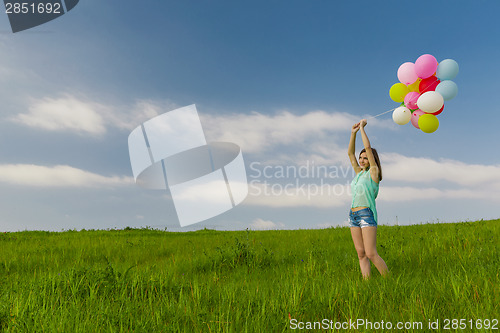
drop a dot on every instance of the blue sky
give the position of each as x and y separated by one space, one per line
283 79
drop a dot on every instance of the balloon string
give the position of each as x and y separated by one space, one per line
382 113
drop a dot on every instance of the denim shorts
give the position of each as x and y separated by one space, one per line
362 218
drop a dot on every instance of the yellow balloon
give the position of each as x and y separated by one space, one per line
398 92
415 86
428 123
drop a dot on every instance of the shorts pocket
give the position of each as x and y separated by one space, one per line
366 216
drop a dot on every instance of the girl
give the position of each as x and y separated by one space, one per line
363 213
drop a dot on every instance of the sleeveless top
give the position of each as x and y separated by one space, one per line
364 191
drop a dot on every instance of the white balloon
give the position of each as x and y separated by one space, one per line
430 101
401 115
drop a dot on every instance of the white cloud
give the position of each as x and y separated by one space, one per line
257 132
65 114
408 193
261 224
298 195
130 118
201 192
82 116
57 176
425 170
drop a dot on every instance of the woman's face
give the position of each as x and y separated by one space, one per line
363 161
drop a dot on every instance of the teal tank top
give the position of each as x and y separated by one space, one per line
364 191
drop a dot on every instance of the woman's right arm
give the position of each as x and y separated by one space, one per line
352 147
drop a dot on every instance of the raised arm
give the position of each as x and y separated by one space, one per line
374 172
352 147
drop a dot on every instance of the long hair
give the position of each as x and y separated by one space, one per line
377 160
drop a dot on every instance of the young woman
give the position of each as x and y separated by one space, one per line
363 213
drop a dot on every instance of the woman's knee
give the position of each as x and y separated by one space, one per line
372 255
361 254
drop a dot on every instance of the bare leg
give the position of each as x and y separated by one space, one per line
370 246
364 263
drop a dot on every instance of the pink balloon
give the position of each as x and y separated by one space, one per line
414 117
411 100
406 73
425 66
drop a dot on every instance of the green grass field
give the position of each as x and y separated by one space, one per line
249 281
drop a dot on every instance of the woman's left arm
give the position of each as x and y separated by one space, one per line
374 172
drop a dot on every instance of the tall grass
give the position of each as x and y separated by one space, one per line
244 281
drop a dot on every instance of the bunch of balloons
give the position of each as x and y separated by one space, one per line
422 90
